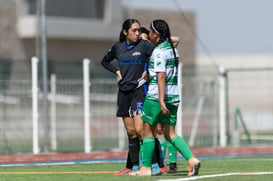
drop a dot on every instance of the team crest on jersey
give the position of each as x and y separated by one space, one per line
136 54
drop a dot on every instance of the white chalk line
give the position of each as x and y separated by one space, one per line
217 175
248 159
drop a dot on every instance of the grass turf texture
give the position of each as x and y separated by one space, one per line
104 171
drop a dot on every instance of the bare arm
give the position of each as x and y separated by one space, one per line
161 76
175 40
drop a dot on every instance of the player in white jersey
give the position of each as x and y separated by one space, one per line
162 100
159 133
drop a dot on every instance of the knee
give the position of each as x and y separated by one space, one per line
140 132
131 132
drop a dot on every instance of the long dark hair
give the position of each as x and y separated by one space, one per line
126 26
161 27
144 30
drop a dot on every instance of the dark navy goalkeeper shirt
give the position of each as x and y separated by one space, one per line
131 59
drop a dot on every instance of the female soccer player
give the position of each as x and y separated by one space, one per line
162 100
159 134
131 53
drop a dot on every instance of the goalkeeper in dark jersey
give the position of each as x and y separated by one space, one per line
131 54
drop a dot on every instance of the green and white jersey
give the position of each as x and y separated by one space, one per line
162 60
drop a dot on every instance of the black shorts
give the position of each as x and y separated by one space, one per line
130 103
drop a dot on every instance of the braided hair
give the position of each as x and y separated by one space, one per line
161 27
126 26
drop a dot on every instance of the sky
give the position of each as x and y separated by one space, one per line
225 26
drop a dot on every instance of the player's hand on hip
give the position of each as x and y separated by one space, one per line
119 75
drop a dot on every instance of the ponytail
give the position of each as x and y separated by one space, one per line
161 27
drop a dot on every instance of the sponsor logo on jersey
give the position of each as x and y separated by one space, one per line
130 62
136 54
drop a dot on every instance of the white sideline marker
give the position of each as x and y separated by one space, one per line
218 175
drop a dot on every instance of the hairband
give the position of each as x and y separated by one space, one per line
154 28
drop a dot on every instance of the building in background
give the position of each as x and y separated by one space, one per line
77 29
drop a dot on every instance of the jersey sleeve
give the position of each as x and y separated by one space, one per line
159 61
149 47
108 58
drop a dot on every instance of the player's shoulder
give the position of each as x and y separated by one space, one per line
146 45
145 42
117 45
164 45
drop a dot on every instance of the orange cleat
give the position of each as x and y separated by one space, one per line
124 171
163 170
143 171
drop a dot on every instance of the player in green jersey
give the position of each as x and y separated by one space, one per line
162 99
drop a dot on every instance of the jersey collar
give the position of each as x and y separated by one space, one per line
129 47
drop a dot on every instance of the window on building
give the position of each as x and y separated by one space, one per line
70 8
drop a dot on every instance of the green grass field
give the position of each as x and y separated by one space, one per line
104 171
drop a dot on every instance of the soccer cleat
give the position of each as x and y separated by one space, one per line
173 168
163 170
124 171
155 169
143 171
135 168
193 166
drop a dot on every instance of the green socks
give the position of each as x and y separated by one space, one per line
148 150
172 152
182 147
149 147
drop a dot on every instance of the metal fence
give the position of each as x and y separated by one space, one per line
200 106
250 103
65 111
200 112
